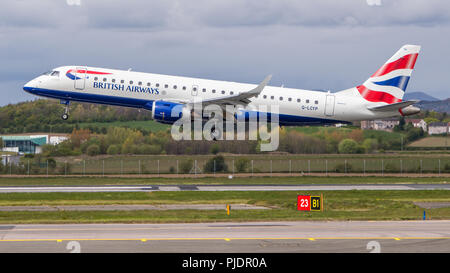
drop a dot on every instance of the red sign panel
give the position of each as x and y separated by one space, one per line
304 202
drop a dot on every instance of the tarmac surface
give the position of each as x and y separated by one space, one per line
147 188
251 237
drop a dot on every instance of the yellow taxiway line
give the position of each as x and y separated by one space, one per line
226 239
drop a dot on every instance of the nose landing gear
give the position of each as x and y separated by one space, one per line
65 115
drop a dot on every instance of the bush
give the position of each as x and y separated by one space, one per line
216 164
214 149
150 149
93 150
186 166
113 149
242 164
342 168
348 146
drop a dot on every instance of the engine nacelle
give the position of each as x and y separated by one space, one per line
168 112
410 110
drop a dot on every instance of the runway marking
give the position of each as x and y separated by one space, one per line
228 239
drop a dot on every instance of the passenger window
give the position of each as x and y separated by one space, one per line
272 97
157 85
289 99
96 79
148 84
223 92
104 79
298 100
316 102
204 89
214 90
307 101
131 82
265 96
194 88
166 86
122 81
231 93
174 87
281 98
139 83
113 80
184 87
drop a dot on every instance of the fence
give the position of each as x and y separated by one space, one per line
135 165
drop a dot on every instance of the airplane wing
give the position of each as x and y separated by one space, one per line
393 106
241 98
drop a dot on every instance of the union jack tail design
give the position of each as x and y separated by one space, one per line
389 83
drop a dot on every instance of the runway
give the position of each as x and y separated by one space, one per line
253 237
147 188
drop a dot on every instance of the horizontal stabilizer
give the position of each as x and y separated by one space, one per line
393 106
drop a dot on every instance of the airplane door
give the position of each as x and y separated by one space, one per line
194 90
329 105
80 78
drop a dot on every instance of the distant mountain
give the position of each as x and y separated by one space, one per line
438 106
419 96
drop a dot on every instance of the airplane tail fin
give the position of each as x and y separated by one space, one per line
388 83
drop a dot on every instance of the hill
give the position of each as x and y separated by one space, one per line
419 96
442 106
45 116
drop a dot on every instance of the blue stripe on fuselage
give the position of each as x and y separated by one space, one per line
284 120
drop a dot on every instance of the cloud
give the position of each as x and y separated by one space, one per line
320 44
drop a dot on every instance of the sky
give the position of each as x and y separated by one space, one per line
308 44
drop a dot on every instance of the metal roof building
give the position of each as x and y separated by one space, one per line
23 144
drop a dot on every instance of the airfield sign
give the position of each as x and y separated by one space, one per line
310 203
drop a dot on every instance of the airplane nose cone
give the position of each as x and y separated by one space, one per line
29 86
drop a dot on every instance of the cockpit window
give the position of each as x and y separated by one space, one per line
47 73
55 74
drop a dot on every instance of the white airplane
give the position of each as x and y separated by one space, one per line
378 97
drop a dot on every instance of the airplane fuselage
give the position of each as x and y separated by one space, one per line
140 90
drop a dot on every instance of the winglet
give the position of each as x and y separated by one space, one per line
261 86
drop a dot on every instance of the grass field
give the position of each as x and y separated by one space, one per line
295 180
148 125
339 205
283 163
432 142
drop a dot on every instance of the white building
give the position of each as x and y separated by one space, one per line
437 128
30 143
417 123
380 124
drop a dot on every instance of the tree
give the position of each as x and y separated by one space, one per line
93 149
348 146
1 143
370 145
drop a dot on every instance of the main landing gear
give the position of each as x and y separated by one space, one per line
65 115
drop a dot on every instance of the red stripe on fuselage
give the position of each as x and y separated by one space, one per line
405 62
82 71
376 96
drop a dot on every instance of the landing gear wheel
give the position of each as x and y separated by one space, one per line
216 133
65 116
